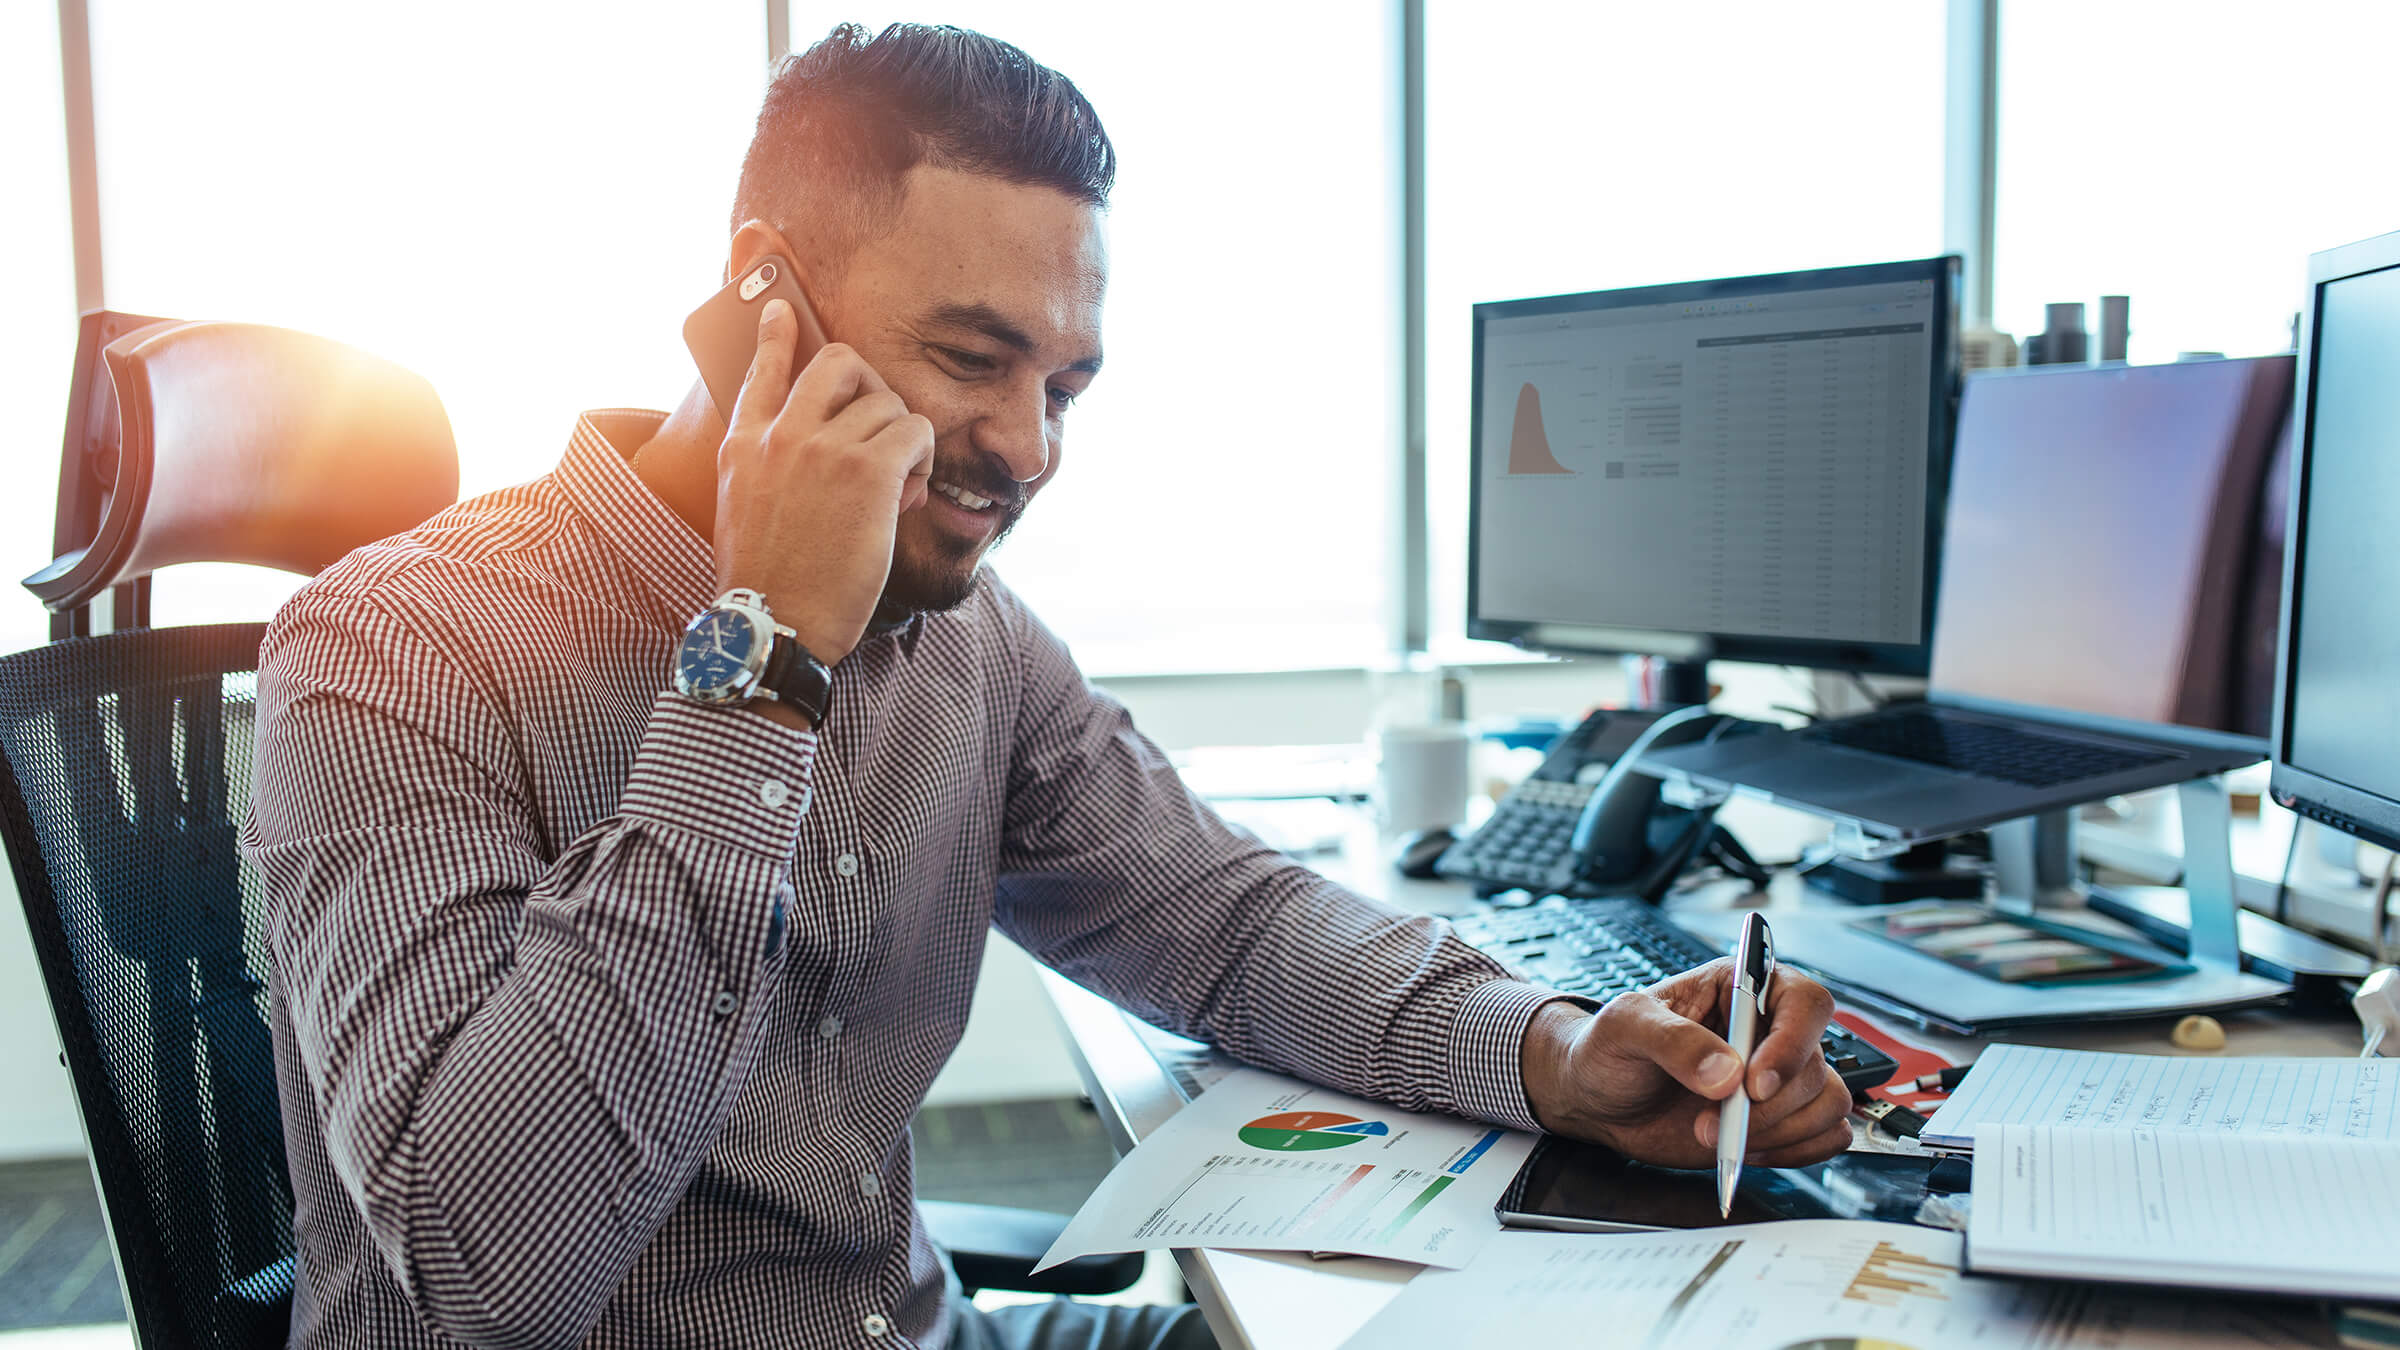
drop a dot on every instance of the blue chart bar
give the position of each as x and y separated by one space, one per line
1467 1160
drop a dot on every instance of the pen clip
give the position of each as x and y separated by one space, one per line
1758 957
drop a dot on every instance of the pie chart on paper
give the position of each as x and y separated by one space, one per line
1297 1131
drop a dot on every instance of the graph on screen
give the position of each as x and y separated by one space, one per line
1528 439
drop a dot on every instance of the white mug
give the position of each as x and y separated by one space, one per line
1422 775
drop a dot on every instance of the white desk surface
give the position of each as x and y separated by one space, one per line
1291 1302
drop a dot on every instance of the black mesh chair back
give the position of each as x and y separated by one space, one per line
127 769
125 774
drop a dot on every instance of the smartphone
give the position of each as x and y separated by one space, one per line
723 333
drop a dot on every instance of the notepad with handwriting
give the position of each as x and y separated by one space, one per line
2315 1215
2031 1085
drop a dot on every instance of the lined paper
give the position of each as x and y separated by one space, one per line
2290 1214
2033 1085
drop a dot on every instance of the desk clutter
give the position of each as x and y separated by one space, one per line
2095 1184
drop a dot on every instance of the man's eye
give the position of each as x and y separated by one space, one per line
973 363
1061 398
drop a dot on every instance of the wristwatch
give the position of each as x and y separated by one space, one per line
734 651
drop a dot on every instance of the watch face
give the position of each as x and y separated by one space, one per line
715 657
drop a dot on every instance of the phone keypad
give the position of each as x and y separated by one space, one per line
1528 834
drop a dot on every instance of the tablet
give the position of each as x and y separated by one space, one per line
1584 1188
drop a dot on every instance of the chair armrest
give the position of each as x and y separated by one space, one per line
995 1247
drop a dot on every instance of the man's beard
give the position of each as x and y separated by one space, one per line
943 583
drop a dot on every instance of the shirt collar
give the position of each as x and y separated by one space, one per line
676 565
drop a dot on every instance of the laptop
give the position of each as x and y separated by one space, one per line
2101 527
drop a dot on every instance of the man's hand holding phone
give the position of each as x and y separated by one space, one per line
811 480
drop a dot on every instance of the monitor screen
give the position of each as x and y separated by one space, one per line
2103 526
1749 468
2340 723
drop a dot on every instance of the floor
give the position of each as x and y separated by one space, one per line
54 1261
58 1287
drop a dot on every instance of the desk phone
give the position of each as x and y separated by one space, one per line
1586 824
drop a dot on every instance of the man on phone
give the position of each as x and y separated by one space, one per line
631 837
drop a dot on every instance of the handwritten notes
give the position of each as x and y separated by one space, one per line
2030 1085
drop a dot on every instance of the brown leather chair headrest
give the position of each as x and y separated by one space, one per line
249 444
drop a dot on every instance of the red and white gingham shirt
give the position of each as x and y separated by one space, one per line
600 1016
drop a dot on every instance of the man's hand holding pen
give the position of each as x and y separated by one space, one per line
1646 1073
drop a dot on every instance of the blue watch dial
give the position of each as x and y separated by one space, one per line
715 650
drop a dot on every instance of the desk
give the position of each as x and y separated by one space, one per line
1290 1302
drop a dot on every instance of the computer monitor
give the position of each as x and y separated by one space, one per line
1751 468
2337 719
2103 524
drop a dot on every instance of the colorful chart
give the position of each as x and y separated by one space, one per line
1528 441
1290 1131
1891 1275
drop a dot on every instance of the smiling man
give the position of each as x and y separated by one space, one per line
631 837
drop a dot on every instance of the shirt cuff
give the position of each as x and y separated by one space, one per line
1487 1044
723 773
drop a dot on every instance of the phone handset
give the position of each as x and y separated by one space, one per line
723 333
1627 841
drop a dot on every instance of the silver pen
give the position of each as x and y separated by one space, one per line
1753 971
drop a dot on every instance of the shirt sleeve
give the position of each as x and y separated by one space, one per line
471 1005
1115 875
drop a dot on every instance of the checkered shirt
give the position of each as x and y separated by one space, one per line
600 1016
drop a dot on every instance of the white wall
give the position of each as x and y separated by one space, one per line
37 1109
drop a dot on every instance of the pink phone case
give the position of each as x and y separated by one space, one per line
723 333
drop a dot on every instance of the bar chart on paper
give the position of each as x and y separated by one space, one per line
1797 1285
1237 1201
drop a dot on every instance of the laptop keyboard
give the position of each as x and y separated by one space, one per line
1602 948
1985 749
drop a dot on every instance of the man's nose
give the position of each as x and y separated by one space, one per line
1019 435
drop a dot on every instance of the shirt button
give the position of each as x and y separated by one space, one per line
869 1184
772 793
875 1324
846 865
726 1003
830 1028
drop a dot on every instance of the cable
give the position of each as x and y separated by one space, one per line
2283 884
1866 690
2382 910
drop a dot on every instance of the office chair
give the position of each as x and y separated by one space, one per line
125 772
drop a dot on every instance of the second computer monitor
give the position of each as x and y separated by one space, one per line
1752 469
2104 529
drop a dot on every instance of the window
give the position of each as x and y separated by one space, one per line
521 203
2189 156
1583 147
37 345
37 325
1224 503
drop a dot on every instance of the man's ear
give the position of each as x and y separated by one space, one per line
757 239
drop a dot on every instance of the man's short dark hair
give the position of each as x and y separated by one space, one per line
845 120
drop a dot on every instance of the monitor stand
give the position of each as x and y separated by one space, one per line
2202 920
1681 684
1927 871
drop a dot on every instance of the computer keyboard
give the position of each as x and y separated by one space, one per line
1985 749
1601 948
